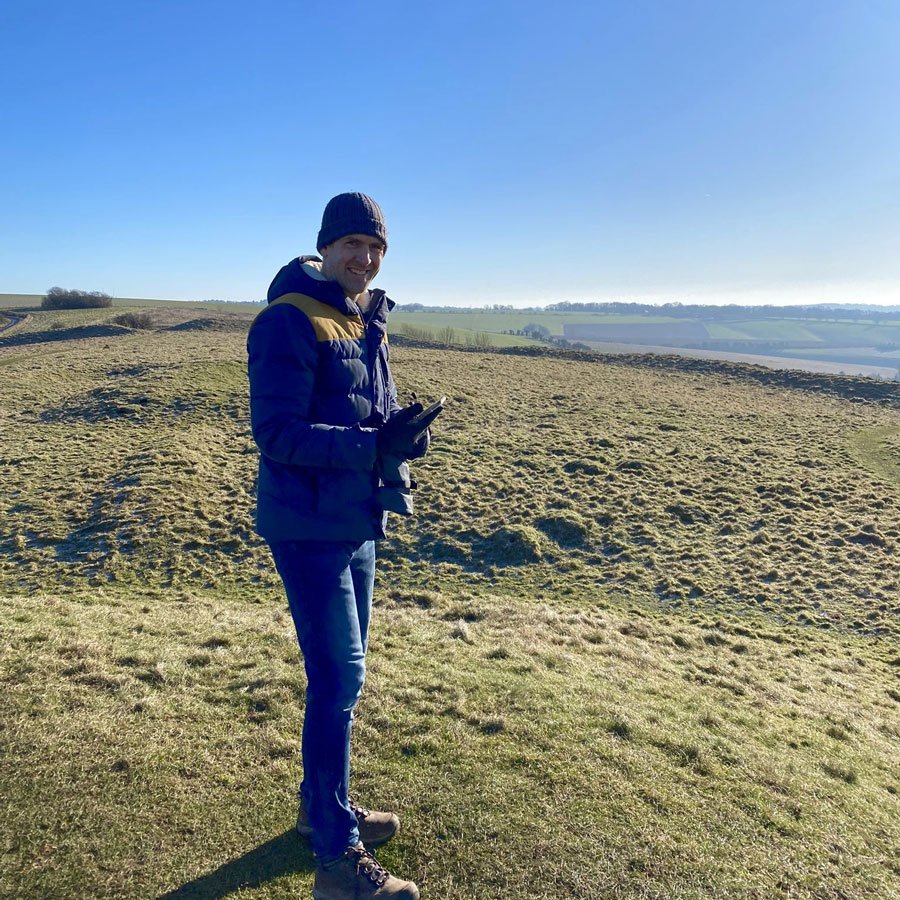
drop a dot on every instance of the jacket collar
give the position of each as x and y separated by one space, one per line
304 276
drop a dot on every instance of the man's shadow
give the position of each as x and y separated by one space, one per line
283 855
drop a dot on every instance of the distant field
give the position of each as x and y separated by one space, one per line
867 366
854 355
450 335
815 346
781 330
495 322
848 331
16 300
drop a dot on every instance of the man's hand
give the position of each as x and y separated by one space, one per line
405 434
420 448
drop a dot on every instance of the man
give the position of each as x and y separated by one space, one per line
333 444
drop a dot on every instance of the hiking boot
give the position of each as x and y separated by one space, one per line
375 828
358 876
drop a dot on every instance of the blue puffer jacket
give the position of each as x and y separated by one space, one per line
320 386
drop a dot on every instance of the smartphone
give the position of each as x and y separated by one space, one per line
428 415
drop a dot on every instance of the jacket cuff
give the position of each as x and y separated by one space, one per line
366 447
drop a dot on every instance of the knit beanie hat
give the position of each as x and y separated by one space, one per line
352 213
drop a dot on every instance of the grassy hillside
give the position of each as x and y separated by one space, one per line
641 639
864 346
33 301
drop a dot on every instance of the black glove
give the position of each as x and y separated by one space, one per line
420 448
400 435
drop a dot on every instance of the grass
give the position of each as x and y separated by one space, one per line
33 301
449 335
13 301
879 449
641 639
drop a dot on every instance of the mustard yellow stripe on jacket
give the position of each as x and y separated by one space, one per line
327 322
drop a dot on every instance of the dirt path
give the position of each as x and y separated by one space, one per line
14 320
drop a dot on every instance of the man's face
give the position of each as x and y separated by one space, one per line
352 261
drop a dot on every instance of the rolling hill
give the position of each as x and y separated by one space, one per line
640 640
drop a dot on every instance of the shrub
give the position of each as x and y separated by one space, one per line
417 334
478 339
134 320
61 298
539 332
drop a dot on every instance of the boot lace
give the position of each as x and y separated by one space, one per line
367 865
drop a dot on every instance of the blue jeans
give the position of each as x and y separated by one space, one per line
329 587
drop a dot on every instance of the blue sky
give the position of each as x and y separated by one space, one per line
524 153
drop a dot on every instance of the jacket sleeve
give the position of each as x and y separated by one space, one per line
425 441
281 350
394 403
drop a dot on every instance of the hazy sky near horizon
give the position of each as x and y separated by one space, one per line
524 153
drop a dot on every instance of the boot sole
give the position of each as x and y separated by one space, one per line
318 896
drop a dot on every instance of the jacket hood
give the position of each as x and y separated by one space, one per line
304 276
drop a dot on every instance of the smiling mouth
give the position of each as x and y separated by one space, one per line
359 272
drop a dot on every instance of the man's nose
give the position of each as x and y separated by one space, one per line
363 255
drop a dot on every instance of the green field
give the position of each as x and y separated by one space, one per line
765 330
449 335
496 322
641 639
856 356
8 301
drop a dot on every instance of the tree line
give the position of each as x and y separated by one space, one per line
731 311
63 298
823 312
